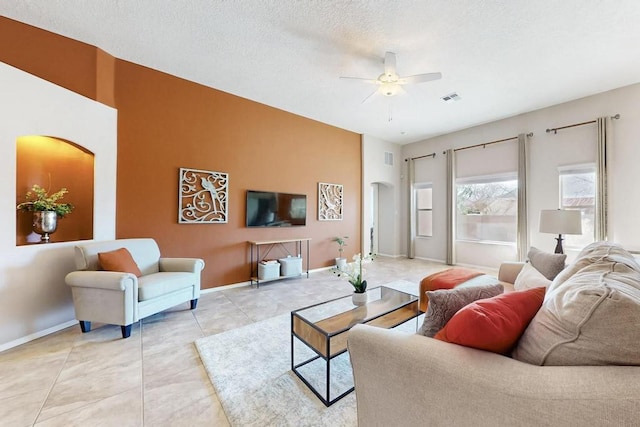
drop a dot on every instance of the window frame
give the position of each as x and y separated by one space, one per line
486 179
577 169
417 209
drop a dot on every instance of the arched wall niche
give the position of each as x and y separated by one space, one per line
55 163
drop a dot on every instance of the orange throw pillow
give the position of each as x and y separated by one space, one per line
119 260
493 324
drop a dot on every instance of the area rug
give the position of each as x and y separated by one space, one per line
250 369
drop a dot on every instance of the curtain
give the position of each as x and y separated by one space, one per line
451 207
523 227
604 138
411 173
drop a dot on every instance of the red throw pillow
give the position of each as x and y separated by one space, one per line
119 260
493 324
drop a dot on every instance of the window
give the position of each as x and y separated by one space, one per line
487 208
578 191
424 210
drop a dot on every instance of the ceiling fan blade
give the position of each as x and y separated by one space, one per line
369 96
361 79
390 64
420 78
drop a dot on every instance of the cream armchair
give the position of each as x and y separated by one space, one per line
122 298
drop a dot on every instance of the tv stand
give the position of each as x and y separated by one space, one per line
267 246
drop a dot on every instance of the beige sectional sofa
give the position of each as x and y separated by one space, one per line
408 379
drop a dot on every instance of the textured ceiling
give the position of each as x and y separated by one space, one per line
502 57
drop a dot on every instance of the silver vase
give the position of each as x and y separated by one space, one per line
45 223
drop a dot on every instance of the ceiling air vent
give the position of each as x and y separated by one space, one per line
451 97
388 158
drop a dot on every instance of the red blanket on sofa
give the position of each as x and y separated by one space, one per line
447 279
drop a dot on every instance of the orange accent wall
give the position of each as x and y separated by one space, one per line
69 63
105 78
165 123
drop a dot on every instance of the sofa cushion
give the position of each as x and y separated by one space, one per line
493 324
443 304
591 313
144 251
529 278
119 260
546 263
158 284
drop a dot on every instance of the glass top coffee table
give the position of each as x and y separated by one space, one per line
323 329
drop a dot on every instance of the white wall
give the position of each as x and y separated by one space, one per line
34 299
387 178
547 153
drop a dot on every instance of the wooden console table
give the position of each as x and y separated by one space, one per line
270 244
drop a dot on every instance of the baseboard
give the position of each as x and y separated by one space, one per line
36 335
472 266
224 287
53 329
248 283
479 267
440 261
389 256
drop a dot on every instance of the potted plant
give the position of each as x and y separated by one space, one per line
342 242
354 273
46 209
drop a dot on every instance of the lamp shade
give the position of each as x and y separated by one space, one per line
558 221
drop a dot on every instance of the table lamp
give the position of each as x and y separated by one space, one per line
558 221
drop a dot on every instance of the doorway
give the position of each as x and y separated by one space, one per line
382 232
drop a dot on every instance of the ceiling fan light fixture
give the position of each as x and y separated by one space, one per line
387 78
390 83
389 89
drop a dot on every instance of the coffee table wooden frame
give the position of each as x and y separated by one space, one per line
327 337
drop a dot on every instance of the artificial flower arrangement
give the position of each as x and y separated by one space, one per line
354 272
38 199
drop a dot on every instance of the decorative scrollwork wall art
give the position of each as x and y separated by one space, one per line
330 202
203 197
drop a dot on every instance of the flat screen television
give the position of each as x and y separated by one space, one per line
271 209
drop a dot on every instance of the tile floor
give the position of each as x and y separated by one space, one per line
155 377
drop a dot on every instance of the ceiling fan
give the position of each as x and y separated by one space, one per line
390 83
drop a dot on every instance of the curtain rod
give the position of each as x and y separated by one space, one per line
555 130
530 134
420 157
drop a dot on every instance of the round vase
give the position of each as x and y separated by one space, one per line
45 223
359 298
341 263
